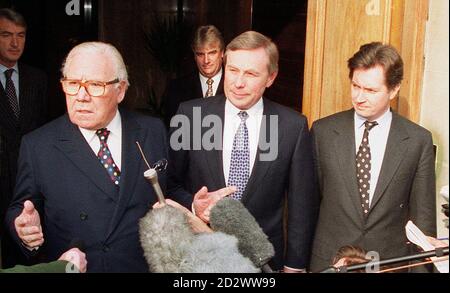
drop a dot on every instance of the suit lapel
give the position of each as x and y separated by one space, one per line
396 150
214 157
260 168
73 145
344 145
131 170
26 90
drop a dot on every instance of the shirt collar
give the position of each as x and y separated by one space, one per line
3 68
256 109
115 128
216 77
382 120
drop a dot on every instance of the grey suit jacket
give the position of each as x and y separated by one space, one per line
405 189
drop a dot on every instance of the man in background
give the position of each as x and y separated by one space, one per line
208 47
23 108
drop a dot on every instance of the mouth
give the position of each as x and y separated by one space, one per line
239 95
83 112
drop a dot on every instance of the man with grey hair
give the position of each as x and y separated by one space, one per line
80 178
23 108
208 47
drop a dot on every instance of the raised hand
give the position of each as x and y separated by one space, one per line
28 226
204 201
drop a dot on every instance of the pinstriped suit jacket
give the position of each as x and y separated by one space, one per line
33 113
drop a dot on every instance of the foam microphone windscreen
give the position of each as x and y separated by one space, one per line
216 253
165 236
231 217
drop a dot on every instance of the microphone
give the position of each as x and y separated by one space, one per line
231 217
170 246
216 253
152 176
165 236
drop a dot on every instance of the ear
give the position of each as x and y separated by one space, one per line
122 89
271 79
394 92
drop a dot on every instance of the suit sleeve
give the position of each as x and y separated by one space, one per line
302 202
177 168
423 191
26 189
51 267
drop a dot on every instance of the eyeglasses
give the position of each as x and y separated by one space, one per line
94 88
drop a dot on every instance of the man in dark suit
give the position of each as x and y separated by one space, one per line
207 46
80 176
375 168
23 108
258 146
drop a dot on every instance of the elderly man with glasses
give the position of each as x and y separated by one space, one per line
80 177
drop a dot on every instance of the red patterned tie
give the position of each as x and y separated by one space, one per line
104 155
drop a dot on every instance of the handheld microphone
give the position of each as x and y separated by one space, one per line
152 176
231 217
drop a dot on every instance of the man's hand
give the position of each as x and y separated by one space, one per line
204 201
28 226
197 225
77 258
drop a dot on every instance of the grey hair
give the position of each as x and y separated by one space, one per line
101 48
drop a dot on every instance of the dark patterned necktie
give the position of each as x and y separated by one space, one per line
209 92
104 156
240 158
10 91
363 165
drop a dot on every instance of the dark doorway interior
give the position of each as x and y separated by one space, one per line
285 22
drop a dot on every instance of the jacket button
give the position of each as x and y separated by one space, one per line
105 248
83 216
402 205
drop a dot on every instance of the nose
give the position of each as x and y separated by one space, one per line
14 41
206 59
83 95
359 95
239 81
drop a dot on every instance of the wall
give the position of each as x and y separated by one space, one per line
435 99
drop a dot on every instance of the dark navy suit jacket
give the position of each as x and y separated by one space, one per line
77 200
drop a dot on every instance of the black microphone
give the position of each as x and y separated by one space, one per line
231 217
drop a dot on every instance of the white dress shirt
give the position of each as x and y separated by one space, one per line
231 125
216 78
378 137
114 139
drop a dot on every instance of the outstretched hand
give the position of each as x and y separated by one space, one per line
204 201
